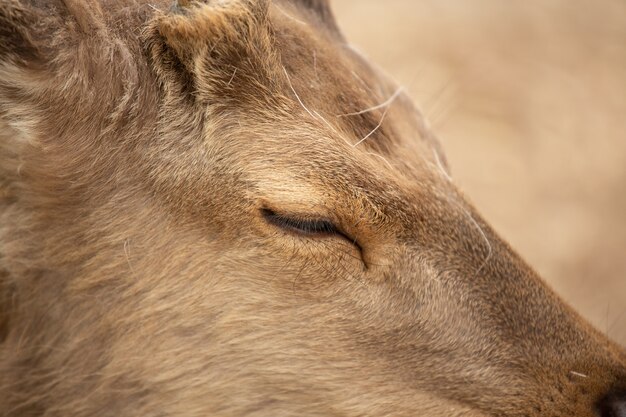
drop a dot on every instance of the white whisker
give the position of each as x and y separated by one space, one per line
296 94
127 255
326 122
381 157
386 103
482 233
441 167
382 119
359 79
331 127
289 16
232 77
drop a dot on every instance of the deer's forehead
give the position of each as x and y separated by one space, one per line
331 93
334 124
250 63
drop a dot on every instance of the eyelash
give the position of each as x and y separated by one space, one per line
301 225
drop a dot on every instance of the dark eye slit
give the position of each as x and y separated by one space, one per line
301 225
304 226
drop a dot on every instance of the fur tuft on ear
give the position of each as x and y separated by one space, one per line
212 46
190 25
18 44
68 57
22 59
322 14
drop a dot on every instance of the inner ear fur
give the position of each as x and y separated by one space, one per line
213 46
321 12
23 57
19 41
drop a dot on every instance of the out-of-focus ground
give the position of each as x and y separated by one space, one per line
529 101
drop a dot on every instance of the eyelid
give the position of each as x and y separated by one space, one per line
301 224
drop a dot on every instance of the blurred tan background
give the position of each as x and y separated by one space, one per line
529 101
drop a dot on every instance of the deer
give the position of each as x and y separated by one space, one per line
220 208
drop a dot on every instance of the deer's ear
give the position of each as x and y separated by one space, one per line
22 61
322 14
20 40
209 46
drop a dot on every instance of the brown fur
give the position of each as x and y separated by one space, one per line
140 143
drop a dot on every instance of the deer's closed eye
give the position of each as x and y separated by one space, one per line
307 226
